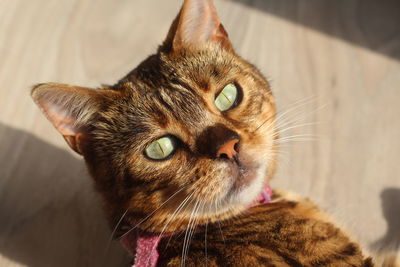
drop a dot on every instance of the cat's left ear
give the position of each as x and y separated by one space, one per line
197 23
71 109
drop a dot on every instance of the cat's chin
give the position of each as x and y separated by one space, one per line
247 186
245 189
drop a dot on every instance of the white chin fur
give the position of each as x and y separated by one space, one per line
248 194
245 196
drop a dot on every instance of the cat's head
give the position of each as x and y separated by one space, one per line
188 133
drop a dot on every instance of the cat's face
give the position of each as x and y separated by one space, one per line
188 134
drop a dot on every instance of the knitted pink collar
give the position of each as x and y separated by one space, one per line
143 245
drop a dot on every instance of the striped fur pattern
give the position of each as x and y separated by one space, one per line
172 93
287 232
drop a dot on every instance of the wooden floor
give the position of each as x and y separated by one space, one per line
334 65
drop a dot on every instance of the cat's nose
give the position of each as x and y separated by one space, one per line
228 150
218 142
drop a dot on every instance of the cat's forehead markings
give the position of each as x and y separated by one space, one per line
204 85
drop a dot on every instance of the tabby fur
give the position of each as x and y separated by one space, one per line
289 231
172 92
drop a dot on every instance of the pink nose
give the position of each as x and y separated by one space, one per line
228 149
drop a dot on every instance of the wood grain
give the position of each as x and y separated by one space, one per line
345 78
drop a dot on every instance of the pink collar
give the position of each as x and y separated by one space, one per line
143 245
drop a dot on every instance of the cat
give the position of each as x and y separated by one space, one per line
189 138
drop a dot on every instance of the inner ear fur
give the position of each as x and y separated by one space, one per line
196 24
70 109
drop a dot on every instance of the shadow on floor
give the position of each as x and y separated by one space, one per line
49 214
372 24
391 211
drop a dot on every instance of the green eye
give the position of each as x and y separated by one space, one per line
227 98
161 148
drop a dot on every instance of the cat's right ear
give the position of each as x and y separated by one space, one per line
70 109
197 23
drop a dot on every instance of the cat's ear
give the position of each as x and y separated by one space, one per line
197 23
70 109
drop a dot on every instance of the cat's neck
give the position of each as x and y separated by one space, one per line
144 245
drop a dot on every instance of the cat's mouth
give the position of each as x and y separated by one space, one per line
247 180
244 173
246 176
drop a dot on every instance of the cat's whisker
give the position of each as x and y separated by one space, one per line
193 227
115 229
219 225
286 118
287 113
187 233
262 124
276 125
280 141
271 153
153 212
205 233
280 131
195 224
187 200
172 217
300 102
222 234
296 135
196 221
184 240
301 117
215 211
293 125
296 141
205 243
296 105
174 214
299 137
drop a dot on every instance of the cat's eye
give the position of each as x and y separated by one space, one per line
161 148
227 98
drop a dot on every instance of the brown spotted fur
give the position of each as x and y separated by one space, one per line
173 92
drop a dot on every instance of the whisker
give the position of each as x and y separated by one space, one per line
219 226
300 118
114 230
152 213
312 137
280 131
262 124
282 143
205 243
187 233
195 224
281 116
295 136
176 212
